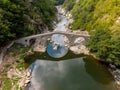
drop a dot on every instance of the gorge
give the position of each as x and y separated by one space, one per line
69 66
76 73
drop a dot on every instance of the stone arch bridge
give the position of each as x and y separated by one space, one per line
42 38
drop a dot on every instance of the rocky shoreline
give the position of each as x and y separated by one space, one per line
25 80
116 73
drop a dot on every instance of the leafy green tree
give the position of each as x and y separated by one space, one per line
98 43
20 18
69 4
5 33
104 45
114 55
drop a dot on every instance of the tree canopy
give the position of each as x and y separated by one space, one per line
101 18
20 18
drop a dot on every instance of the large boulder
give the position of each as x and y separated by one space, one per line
79 49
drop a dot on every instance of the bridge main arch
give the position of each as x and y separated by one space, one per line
42 38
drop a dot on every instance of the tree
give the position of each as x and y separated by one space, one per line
98 42
116 2
19 18
114 45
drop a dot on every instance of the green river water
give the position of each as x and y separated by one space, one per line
71 72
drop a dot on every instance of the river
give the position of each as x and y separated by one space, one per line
70 71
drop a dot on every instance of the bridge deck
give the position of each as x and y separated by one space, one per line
55 32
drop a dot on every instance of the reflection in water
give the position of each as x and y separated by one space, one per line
61 49
94 69
60 52
70 75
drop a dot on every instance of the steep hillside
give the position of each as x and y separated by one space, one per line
102 19
20 18
88 14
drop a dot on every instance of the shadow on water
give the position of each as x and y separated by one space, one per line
95 70
29 59
59 52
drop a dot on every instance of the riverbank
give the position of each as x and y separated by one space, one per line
113 69
14 72
12 68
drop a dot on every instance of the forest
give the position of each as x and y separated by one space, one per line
101 18
19 18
